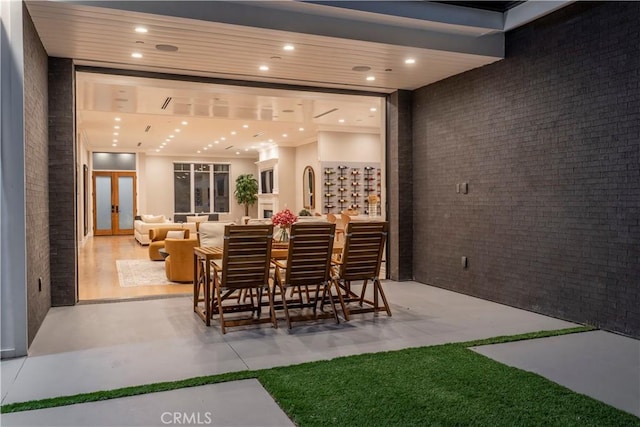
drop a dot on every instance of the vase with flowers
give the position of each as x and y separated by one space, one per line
283 220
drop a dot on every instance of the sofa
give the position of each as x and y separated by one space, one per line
144 223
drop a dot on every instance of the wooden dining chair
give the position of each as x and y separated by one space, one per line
245 266
360 262
307 268
339 225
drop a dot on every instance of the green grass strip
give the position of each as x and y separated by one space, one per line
438 385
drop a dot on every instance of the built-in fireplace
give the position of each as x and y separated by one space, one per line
267 213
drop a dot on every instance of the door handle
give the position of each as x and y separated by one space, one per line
117 209
113 208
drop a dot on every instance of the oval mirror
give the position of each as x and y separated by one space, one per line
308 188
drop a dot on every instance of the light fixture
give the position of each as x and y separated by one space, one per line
284 135
370 78
136 55
164 143
301 129
245 126
115 134
206 148
289 47
171 136
117 119
409 61
223 139
246 149
141 30
233 132
216 142
184 122
237 152
270 140
167 140
264 68
210 145
157 151
177 130
373 109
198 151
114 145
115 140
341 121
116 127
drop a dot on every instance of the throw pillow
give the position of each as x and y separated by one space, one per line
153 219
175 234
199 218
212 234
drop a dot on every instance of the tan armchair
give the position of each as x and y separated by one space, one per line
179 264
156 241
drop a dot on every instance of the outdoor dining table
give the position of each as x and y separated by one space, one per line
202 258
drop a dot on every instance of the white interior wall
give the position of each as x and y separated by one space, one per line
307 155
287 178
83 159
156 182
345 146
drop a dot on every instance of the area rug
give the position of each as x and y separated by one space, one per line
141 272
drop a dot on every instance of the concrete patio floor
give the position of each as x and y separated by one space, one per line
94 347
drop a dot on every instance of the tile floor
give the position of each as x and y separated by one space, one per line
103 346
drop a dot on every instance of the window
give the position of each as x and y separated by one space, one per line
193 183
266 181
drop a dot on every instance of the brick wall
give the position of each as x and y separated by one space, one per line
548 141
399 187
36 179
62 182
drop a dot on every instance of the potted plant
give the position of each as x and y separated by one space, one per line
246 192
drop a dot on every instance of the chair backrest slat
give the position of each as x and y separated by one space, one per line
309 257
363 250
246 255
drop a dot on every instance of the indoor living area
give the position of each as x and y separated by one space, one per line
170 152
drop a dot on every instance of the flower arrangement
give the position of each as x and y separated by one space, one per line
284 219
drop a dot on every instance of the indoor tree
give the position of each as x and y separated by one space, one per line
246 192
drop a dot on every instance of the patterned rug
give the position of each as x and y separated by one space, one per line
141 272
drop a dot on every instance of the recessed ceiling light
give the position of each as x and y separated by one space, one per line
216 142
136 55
185 122
167 140
253 147
206 148
373 109
237 152
409 61
177 130
198 151
141 30
117 119
301 129
223 139
114 145
270 140
164 143
245 126
246 149
370 78
341 120
115 140
115 133
171 136
233 132
284 135
289 47
210 145
157 151
116 127
264 68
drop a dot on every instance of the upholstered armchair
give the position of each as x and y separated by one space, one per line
179 264
157 238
